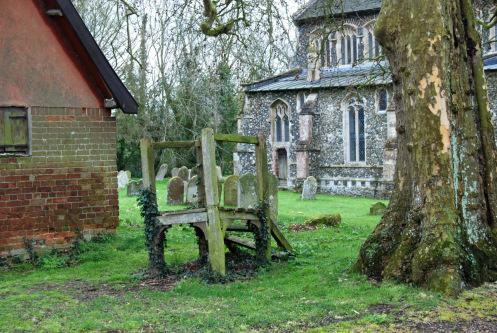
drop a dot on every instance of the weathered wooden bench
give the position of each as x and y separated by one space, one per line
213 223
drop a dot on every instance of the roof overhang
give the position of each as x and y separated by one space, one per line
90 54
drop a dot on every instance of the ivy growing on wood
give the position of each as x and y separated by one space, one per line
154 236
262 236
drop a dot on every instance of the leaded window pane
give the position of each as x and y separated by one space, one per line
383 100
362 138
343 50
370 45
278 129
286 123
352 134
349 50
354 48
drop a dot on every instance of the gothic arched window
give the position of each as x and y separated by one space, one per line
356 137
382 100
373 48
344 47
281 125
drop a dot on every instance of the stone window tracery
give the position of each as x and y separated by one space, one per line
355 131
281 125
373 48
344 47
382 100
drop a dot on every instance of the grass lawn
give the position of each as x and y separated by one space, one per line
103 290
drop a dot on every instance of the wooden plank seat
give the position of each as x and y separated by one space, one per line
189 216
232 240
238 214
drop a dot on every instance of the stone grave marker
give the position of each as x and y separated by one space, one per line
176 191
192 191
273 196
310 188
174 172
184 173
231 191
247 192
134 188
161 174
219 172
378 208
122 179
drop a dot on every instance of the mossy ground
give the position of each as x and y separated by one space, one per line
104 291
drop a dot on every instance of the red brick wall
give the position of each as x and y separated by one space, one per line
67 186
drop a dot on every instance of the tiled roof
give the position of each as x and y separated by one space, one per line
371 74
321 8
366 74
491 64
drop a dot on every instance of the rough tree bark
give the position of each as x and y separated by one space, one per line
440 230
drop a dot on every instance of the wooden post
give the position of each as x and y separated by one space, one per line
262 189
200 174
215 234
203 247
148 172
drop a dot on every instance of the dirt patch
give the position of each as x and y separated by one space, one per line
302 227
166 283
382 309
84 291
473 325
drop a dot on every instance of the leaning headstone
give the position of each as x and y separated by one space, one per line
247 192
174 172
273 196
219 172
193 172
175 191
134 188
231 191
192 191
161 174
310 188
123 179
378 208
184 173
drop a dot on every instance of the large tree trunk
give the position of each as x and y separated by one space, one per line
440 230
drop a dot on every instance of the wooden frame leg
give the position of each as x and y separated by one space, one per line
215 234
203 248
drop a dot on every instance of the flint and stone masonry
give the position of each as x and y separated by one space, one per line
332 116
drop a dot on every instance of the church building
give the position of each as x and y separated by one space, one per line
332 116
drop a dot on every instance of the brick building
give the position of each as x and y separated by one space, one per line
57 133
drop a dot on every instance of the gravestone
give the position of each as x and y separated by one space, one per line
219 172
192 191
134 188
378 208
184 173
122 179
273 183
174 172
193 171
231 191
310 188
247 192
176 191
162 172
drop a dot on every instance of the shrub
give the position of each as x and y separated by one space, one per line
331 220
